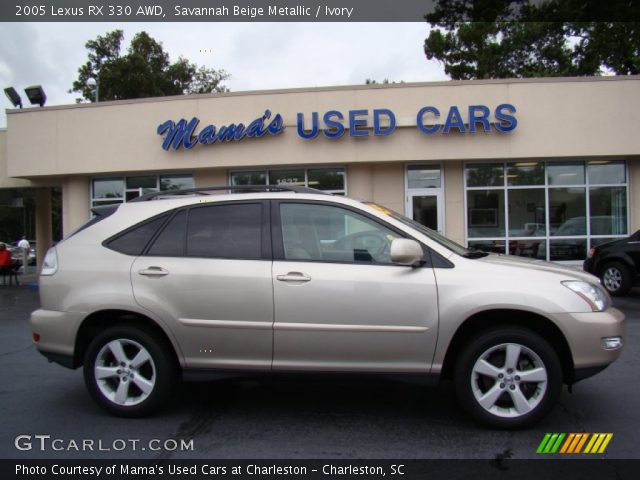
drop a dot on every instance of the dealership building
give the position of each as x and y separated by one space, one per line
542 168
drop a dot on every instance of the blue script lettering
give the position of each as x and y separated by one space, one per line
183 134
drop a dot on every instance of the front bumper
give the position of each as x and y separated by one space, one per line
584 333
589 266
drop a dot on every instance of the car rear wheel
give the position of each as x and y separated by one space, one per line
508 377
129 371
616 278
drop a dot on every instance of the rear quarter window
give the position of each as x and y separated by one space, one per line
133 240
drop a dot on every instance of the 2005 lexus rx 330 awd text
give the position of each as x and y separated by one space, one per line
287 279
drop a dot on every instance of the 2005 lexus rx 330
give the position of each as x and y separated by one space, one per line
282 279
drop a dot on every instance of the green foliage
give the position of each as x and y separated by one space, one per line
145 71
517 38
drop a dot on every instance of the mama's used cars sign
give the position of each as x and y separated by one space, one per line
429 120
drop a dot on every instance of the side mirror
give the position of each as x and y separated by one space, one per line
406 252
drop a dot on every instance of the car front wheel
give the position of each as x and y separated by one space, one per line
508 377
616 278
129 371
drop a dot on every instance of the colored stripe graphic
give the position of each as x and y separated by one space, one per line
556 445
543 443
591 443
598 443
605 443
566 445
574 443
582 442
550 443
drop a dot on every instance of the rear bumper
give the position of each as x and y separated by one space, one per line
60 359
57 334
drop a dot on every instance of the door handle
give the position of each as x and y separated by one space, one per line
294 277
153 272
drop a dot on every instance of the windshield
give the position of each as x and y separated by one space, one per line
432 234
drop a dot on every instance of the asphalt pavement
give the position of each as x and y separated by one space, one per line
47 413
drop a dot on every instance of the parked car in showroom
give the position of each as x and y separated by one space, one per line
289 279
617 263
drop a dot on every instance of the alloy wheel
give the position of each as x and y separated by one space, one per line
612 279
125 372
509 380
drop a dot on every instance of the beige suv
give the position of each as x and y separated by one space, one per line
288 279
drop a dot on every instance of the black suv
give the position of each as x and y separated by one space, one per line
617 263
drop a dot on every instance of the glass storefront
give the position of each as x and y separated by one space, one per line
547 210
330 179
106 191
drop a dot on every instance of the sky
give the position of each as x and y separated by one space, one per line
257 55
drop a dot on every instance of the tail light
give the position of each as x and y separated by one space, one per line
50 262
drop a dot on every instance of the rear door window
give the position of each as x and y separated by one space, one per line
225 231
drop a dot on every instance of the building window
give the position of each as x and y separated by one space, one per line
423 176
547 210
330 179
106 191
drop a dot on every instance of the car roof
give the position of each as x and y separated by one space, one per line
131 213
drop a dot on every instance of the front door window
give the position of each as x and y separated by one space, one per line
332 234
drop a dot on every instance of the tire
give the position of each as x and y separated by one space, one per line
616 278
489 377
129 371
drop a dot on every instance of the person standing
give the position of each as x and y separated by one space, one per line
24 247
5 262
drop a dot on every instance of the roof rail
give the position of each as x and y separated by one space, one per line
237 188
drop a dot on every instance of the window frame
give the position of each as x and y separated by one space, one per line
106 243
94 202
278 240
546 187
265 246
306 169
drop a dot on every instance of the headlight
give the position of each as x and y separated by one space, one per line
594 295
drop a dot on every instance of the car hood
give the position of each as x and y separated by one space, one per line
613 244
538 265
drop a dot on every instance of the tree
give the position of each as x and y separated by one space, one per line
145 71
518 38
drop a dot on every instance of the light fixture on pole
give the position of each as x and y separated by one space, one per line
94 82
13 96
36 95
